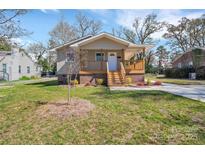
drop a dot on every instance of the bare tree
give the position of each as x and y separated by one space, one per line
95 27
85 26
187 34
73 66
146 27
63 32
38 50
142 33
129 35
118 31
162 57
149 59
9 26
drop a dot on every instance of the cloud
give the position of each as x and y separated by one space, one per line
126 17
21 42
46 11
101 12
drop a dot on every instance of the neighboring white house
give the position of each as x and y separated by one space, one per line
15 64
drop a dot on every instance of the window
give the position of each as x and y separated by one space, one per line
99 56
36 68
28 69
4 68
179 65
70 57
19 68
190 63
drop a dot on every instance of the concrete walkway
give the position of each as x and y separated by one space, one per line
195 92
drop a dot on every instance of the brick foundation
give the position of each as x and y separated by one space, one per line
62 79
136 77
83 79
92 78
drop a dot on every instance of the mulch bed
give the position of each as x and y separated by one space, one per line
63 109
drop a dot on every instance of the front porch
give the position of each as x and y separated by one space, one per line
133 69
95 67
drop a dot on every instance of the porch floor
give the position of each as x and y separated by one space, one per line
93 72
104 72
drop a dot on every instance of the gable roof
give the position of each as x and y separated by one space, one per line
90 38
4 54
103 35
70 42
189 50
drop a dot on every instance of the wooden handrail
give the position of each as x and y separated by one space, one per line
107 66
135 65
93 65
122 70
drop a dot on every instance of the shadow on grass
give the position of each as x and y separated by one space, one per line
198 108
44 83
133 94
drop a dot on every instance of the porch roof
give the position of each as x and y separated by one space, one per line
111 37
88 39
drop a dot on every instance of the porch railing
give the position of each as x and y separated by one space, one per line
122 71
107 67
93 66
102 65
134 65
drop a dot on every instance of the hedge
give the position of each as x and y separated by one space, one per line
178 72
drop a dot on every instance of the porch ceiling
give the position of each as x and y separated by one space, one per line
102 49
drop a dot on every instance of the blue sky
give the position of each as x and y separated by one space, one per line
40 22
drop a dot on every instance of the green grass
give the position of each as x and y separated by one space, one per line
137 117
176 81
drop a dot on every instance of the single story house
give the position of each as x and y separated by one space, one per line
186 59
103 56
15 64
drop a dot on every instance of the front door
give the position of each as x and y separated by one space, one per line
112 61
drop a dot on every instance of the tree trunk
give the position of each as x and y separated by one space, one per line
69 88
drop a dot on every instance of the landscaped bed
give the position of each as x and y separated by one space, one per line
134 117
175 81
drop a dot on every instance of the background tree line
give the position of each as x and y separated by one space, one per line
63 32
188 33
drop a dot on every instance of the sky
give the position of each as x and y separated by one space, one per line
40 22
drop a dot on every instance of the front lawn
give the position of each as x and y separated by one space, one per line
141 117
175 81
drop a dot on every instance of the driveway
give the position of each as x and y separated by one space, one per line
195 92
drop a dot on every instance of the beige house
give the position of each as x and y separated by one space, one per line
103 56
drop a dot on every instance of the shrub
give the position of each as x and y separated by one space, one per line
99 81
24 78
201 73
74 82
87 84
178 72
157 83
140 83
34 77
148 82
129 80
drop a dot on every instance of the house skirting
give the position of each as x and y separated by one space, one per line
91 78
136 77
84 78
